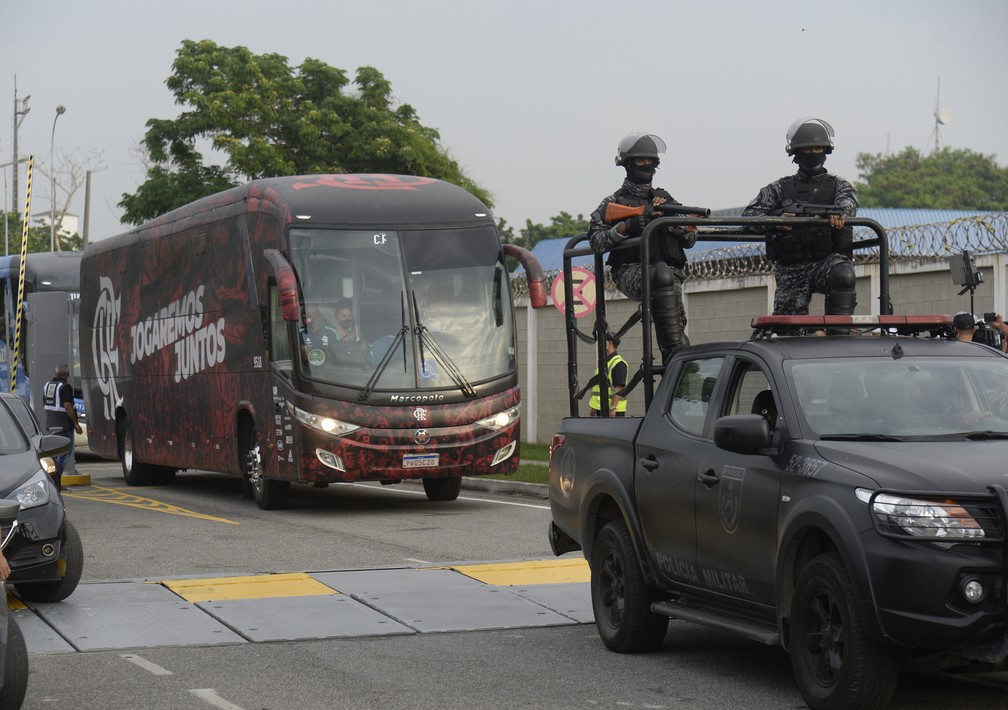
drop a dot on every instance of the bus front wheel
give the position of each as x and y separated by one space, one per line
442 489
269 494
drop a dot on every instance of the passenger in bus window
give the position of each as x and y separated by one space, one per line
346 328
316 337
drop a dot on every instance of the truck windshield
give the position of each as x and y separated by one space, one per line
906 398
404 309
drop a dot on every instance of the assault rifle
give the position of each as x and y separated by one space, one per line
806 209
615 212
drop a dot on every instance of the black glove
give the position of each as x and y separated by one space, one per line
633 226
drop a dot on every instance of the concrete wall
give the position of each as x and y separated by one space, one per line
722 309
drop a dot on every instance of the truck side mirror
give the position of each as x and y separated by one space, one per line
742 433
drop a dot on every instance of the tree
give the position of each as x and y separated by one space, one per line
39 236
945 179
561 225
264 119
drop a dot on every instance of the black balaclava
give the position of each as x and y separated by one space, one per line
810 163
640 174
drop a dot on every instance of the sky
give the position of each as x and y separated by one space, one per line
532 97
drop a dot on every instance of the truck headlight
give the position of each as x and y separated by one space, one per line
33 492
944 520
326 424
500 420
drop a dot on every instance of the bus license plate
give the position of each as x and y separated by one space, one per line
419 460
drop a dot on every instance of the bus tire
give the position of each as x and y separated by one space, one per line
72 557
136 473
269 494
442 489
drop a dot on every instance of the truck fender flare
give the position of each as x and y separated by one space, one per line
606 486
822 514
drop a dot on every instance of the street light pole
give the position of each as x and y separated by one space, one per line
60 110
19 115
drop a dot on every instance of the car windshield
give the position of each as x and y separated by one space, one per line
12 439
918 398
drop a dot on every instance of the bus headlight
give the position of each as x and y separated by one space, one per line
326 424
501 419
33 492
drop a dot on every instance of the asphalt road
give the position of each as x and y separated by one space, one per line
200 527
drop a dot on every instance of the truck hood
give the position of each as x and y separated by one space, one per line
953 466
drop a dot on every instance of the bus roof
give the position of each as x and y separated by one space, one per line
345 199
45 271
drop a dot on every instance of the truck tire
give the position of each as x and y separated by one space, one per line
834 662
72 557
269 493
15 667
620 598
442 489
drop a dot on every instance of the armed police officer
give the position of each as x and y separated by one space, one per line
638 154
813 259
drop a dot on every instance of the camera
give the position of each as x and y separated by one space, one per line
987 335
990 317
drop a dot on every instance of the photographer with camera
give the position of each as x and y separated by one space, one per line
991 331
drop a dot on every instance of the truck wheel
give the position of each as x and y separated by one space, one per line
269 494
71 560
136 473
438 489
834 662
15 668
620 598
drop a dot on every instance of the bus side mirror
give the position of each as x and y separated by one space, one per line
290 304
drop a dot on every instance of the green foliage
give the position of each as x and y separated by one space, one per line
266 119
945 179
562 225
39 237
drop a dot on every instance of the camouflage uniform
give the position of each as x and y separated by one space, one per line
667 262
797 281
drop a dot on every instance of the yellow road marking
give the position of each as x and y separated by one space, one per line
514 574
262 586
117 497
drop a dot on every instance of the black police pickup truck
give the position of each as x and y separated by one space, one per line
843 497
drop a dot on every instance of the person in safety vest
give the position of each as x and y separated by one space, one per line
638 154
58 402
616 374
814 259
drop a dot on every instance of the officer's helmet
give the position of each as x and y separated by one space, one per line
639 145
809 133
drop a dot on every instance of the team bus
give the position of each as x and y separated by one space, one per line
200 346
49 320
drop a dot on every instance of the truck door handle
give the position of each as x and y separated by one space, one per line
650 463
708 478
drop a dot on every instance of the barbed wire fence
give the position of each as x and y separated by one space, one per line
980 234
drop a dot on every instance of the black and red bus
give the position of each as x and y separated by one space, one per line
196 353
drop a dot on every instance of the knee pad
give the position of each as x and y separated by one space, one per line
662 275
842 276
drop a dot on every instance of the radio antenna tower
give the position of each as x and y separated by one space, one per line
942 117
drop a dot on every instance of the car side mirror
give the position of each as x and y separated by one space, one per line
743 433
51 444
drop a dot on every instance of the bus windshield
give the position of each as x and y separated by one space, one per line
407 309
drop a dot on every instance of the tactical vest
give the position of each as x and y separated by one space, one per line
809 243
664 246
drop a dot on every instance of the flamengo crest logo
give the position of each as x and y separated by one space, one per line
103 345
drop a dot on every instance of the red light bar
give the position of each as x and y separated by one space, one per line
923 321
